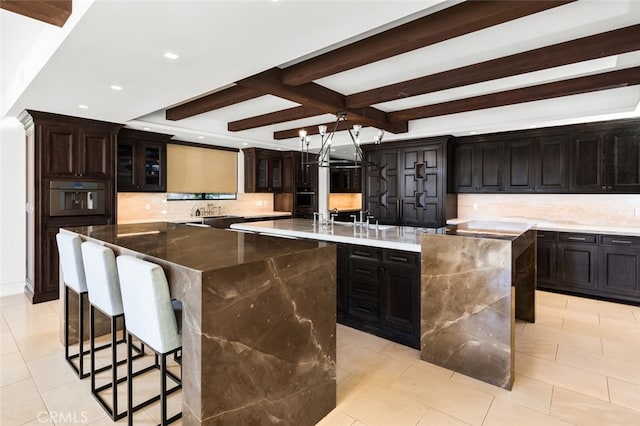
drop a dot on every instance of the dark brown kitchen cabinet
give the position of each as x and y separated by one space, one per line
345 181
536 164
142 161
546 255
380 292
263 170
620 266
408 183
478 167
622 165
587 163
577 260
64 149
70 151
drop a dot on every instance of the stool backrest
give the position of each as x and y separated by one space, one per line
147 304
71 261
101 275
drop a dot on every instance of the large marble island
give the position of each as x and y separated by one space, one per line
258 326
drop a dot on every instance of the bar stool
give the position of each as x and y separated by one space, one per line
101 276
74 279
150 317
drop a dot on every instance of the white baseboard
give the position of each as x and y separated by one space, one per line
9 289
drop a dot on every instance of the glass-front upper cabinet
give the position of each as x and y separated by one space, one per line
141 161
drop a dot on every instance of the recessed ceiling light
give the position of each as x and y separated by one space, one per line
83 107
171 55
146 128
116 87
200 137
245 144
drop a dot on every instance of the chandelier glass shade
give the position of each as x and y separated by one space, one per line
326 138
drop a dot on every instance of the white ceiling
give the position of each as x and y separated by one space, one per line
108 42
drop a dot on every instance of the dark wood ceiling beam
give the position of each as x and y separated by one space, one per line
217 100
319 97
448 23
311 130
574 86
54 12
610 43
289 114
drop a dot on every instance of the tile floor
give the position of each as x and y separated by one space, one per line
578 365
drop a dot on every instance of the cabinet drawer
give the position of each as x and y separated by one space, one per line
364 270
401 257
365 290
547 235
365 252
572 237
365 309
619 240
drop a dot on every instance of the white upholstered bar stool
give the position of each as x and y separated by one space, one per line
151 317
101 275
74 280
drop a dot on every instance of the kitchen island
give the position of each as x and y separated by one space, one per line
258 326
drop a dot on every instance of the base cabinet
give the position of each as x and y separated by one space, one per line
379 292
606 266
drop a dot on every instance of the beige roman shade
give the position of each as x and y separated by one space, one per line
196 169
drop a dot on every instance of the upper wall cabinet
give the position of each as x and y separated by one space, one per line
584 158
141 162
263 170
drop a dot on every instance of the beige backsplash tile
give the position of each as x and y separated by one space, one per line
347 201
578 209
132 207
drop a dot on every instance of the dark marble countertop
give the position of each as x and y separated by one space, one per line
489 229
201 249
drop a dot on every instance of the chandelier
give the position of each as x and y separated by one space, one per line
324 154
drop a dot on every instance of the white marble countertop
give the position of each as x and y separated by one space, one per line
405 238
540 225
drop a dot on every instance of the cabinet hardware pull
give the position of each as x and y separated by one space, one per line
621 241
398 259
362 253
577 238
363 290
363 271
540 236
366 311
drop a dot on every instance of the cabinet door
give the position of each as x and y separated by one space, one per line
577 265
356 181
620 266
546 258
342 279
622 159
262 173
50 278
152 167
422 186
463 168
585 163
552 165
94 154
488 166
275 174
401 294
381 190
125 167
519 165
59 151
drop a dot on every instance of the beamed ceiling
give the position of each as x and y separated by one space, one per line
299 83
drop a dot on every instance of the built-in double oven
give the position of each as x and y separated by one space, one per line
305 201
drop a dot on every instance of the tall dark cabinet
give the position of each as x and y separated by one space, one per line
408 184
141 161
62 149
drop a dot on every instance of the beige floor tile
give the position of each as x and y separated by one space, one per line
462 402
434 417
8 302
503 412
374 365
38 345
535 347
613 349
580 341
377 405
4 327
547 298
623 370
631 329
34 325
604 331
549 312
580 304
139 418
72 401
562 375
519 326
12 369
341 374
361 339
349 387
20 402
7 343
583 410
430 368
337 418
624 393
401 352
51 371
616 312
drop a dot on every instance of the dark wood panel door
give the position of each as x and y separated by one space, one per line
620 271
577 265
622 159
151 167
552 172
488 166
401 294
519 165
422 190
546 263
47 286
381 186
463 169
95 154
59 151
586 163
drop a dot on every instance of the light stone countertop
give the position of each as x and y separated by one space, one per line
540 225
404 238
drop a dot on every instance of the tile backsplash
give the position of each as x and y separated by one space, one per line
579 209
149 207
